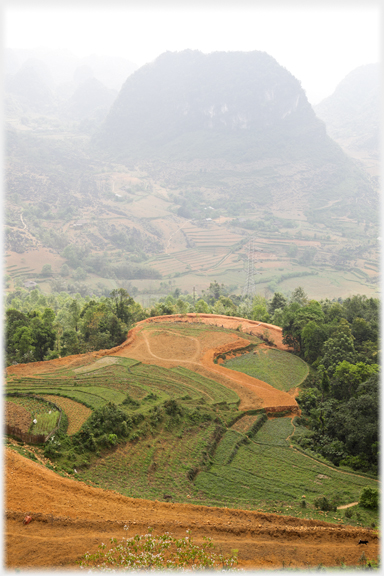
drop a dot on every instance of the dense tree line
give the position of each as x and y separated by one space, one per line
340 398
40 327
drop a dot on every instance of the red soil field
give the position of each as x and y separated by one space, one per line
70 518
16 415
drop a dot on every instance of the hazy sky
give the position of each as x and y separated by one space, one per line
318 42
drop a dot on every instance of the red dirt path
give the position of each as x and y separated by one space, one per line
71 518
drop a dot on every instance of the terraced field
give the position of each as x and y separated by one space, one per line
199 431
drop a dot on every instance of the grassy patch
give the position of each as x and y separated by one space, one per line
276 367
45 423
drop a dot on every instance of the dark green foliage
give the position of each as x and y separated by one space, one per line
105 426
324 504
69 326
128 401
340 398
345 432
30 336
278 301
172 408
369 498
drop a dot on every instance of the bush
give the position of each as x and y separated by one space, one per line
348 513
369 498
149 552
128 401
112 439
324 504
172 408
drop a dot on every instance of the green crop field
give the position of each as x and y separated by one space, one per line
33 405
267 474
281 370
155 466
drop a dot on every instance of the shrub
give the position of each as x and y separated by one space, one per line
172 408
348 513
324 504
112 439
369 498
128 401
149 552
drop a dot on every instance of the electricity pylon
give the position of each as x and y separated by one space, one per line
250 285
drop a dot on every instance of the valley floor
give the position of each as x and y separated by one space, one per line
70 518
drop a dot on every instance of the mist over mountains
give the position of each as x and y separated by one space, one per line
352 112
59 84
240 117
170 177
189 104
63 65
352 115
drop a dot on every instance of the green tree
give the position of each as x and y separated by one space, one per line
313 337
79 274
278 301
259 310
369 498
299 296
122 305
64 271
201 307
348 377
338 348
46 271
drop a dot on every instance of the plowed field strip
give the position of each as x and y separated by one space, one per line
76 413
71 518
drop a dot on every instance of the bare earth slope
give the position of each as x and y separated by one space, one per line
71 518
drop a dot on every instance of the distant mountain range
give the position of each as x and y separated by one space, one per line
173 174
63 65
59 84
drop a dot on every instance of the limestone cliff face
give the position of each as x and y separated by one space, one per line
185 99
